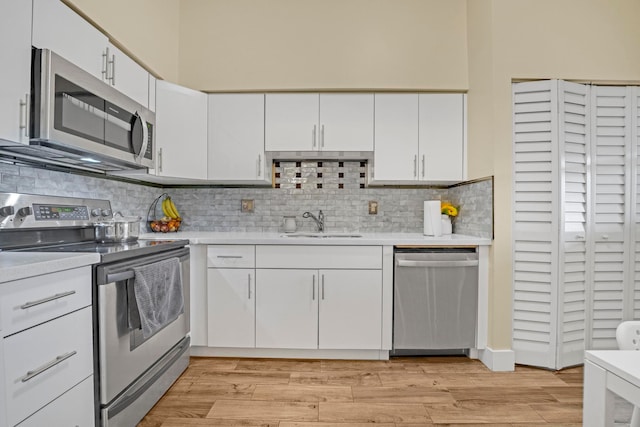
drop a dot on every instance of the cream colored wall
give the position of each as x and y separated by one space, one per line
323 44
592 40
148 29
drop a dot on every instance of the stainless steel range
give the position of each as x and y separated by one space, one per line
139 350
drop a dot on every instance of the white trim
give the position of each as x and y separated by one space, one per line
289 353
498 360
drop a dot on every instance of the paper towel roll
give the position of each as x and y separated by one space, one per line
432 220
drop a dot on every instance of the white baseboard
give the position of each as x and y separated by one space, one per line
498 360
290 353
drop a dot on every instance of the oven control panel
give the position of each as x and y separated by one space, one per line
60 213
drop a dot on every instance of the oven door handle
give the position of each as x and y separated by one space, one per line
118 277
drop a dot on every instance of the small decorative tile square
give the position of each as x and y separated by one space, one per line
320 174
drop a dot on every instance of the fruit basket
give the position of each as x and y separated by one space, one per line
163 216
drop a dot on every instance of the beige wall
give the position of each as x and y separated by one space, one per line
591 40
323 44
148 29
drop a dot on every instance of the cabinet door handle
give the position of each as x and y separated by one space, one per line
415 166
249 284
313 137
113 70
322 136
160 160
24 115
259 165
46 366
323 286
30 304
313 288
423 165
105 65
229 256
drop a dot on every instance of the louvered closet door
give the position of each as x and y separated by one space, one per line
634 311
535 236
573 143
610 134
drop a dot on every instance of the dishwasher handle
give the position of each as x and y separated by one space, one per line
423 264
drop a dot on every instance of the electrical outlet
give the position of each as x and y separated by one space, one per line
246 205
373 207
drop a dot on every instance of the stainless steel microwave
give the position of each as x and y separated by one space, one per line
78 119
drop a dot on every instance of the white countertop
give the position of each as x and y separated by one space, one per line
258 238
20 265
623 363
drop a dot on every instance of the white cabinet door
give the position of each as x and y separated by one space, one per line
128 76
441 135
396 137
291 122
15 49
346 122
236 138
287 309
350 309
231 306
57 27
181 131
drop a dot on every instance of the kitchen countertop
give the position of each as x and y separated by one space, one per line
259 238
20 265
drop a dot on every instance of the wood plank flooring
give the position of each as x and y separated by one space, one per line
407 392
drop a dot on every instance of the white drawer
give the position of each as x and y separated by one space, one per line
74 408
231 256
35 348
300 256
29 302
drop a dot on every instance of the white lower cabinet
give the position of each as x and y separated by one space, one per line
301 297
350 309
43 362
58 412
231 306
46 350
287 308
324 309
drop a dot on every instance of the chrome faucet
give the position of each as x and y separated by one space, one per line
319 220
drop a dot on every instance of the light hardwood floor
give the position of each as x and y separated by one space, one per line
408 392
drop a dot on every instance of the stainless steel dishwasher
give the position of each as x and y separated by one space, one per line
435 300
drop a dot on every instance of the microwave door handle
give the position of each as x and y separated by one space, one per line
145 138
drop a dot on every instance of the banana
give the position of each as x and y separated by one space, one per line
174 209
166 208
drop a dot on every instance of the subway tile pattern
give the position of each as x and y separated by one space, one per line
218 209
309 175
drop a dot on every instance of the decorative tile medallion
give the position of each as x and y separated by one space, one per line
320 175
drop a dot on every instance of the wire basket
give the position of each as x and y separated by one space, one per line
157 221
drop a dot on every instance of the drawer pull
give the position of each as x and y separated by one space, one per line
47 299
49 365
230 256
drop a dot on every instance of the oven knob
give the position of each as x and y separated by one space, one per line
95 212
24 211
106 212
6 211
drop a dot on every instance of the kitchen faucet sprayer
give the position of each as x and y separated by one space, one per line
319 220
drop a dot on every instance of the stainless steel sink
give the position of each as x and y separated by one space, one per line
324 235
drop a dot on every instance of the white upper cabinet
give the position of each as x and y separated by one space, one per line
181 132
236 139
419 137
396 137
319 122
441 135
346 122
291 122
127 76
15 50
57 27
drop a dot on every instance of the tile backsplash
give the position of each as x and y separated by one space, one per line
219 209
